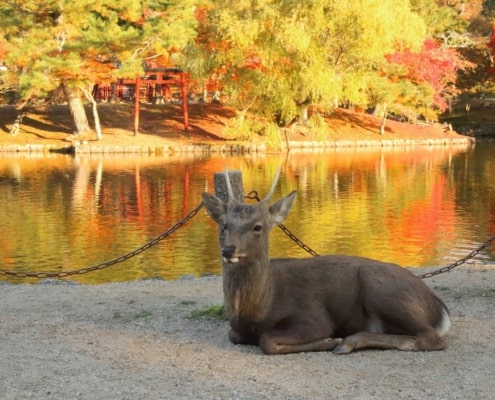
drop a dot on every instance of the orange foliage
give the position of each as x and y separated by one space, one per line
158 62
3 49
252 60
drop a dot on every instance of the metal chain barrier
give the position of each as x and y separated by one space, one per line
253 195
298 241
107 264
455 264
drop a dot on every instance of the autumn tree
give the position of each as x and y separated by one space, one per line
72 45
440 18
481 76
489 8
278 57
432 71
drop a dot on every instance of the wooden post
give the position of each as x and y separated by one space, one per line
137 92
235 178
183 91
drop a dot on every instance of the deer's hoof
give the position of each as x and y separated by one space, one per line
332 343
342 348
235 337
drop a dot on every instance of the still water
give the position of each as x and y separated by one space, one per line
418 206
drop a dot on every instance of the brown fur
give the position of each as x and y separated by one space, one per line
336 302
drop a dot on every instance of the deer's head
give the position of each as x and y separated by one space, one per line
244 227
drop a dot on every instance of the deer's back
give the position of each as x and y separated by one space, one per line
338 272
350 289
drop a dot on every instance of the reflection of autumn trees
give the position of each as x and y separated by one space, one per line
425 221
384 205
408 206
474 174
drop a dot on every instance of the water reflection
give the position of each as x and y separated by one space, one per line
415 206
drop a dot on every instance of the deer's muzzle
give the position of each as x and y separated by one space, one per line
230 255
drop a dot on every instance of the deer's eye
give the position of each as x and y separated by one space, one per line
257 228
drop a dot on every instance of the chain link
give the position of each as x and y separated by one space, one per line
107 264
253 195
298 241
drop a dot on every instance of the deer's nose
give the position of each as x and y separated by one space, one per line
228 251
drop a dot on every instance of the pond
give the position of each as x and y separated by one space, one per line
415 206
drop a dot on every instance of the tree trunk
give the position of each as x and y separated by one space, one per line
304 114
96 116
16 126
382 126
77 111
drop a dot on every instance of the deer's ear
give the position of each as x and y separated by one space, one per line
280 209
216 208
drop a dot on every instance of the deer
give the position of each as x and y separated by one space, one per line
338 303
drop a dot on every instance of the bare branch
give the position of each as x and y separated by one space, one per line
452 39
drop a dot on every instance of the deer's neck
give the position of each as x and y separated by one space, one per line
248 289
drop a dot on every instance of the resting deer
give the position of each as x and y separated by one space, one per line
334 302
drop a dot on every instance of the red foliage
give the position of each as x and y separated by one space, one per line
433 65
252 60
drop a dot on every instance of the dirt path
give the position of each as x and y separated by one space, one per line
139 340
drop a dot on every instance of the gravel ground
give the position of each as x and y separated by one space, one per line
141 340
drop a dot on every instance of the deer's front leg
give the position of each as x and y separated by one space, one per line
238 338
270 345
297 337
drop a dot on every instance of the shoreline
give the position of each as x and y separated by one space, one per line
84 147
143 340
211 130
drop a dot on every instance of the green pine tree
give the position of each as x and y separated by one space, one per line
72 45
